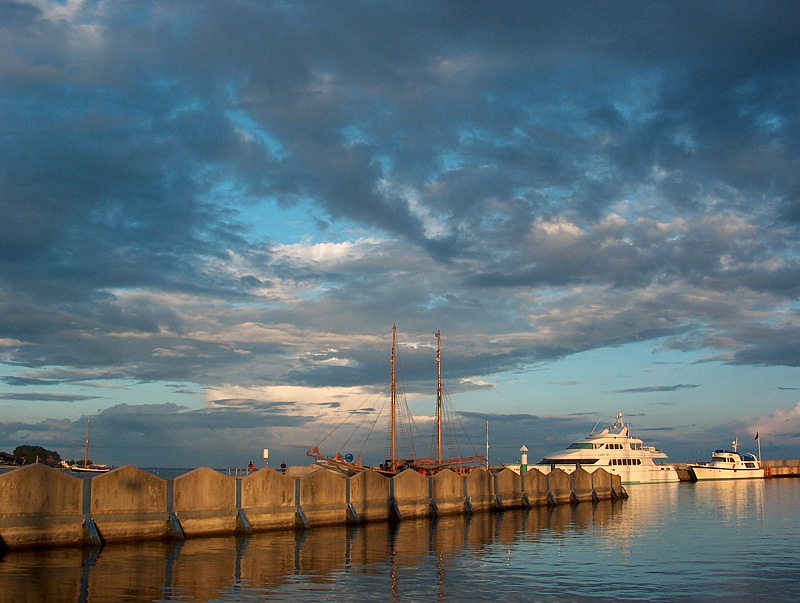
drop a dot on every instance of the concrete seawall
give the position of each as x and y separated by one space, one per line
44 507
789 468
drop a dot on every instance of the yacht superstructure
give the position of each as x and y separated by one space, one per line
613 449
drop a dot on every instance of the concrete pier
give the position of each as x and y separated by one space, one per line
781 468
45 507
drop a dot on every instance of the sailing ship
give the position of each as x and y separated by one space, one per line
88 467
350 465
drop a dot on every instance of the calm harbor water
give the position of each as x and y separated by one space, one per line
721 541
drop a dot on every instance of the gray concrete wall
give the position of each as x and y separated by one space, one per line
480 490
580 482
369 496
204 502
534 484
411 495
558 487
601 485
786 468
129 504
617 491
447 493
40 506
323 498
268 500
508 489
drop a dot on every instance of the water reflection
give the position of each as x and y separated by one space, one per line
279 562
708 541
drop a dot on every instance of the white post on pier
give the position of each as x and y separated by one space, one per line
523 460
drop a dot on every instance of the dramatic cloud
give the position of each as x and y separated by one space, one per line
219 208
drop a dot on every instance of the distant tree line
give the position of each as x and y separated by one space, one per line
25 455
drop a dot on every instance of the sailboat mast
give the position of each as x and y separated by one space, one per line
438 397
394 399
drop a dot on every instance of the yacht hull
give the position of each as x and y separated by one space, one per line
719 473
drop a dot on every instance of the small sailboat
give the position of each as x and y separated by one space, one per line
88 467
427 466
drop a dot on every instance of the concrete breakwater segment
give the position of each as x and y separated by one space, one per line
788 468
44 507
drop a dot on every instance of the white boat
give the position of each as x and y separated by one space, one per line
729 464
615 451
88 467
91 468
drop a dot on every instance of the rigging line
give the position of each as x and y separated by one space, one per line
451 412
378 415
344 420
356 429
408 426
328 427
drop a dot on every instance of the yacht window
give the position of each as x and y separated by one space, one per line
581 446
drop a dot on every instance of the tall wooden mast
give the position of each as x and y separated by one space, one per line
394 399
438 397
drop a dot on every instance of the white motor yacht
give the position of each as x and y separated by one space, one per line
729 464
615 451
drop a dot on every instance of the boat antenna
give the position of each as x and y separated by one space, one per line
596 424
86 449
758 439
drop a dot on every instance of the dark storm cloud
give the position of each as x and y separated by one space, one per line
538 181
43 397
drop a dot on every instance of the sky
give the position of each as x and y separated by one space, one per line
213 213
